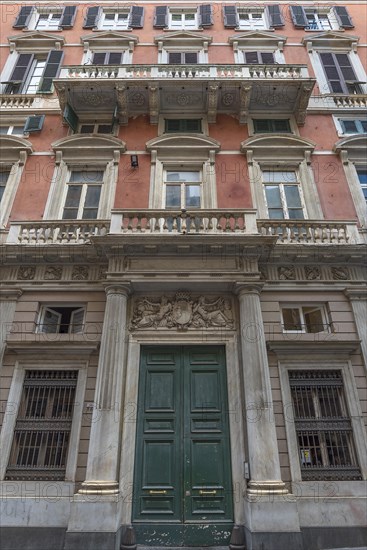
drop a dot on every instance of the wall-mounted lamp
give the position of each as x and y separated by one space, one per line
134 161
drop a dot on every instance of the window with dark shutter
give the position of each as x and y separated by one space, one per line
230 17
136 17
34 123
68 17
23 17
190 125
53 63
267 126
340 73
92 17
160 17
299 16
343 17
275 16
205 15
19 74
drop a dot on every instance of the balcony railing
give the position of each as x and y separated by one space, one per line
176 223
16 101
358 101
196 71
56 232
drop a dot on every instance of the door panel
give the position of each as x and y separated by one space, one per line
182 466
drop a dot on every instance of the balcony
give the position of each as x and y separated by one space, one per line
338 101
38 103
240 90
170 224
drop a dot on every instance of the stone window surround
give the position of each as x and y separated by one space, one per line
300 305
351 396
336 42
253 9
180 10
352 116
352 151
323 10
281 152
264 41
175 152
80 152
187 41
16 388
108 41
14 155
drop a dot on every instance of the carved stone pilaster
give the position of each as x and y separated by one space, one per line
265 474
245 94
121 98
212 102
153 104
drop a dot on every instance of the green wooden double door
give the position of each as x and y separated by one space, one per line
182 484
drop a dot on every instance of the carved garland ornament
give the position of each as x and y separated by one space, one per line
182 312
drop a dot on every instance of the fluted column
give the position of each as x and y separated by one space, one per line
265 474
8 303
103 463
358 300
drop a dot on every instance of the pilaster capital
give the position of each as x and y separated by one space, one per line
243 289
10 294
122 289
356 293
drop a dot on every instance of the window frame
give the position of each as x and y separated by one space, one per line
339 120
315 360
183 185
250 11
116 13
182 11
48 362
322 11
84 191
52 307
252 131
50 12
326 323
283 197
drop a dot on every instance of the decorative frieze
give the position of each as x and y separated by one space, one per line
182 312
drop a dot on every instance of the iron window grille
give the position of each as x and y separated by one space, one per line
323 427
42 431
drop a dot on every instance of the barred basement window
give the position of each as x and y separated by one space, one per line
323 427
42 431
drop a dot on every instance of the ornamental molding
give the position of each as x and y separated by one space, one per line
79 147
330 40
278 147
182 312
193 145
14 149
352 148
257 39
186 38
35 41
112 40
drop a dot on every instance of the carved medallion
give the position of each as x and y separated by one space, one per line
313 273
340 273
80 273
53 272
286 272
26 273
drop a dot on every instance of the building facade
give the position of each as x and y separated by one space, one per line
183 299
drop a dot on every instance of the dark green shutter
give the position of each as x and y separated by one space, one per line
343 18
205 15
34 123
160 17
68 17
275 16
299 17
19 73
70 117
53 63
230 17
136 17
23 17
91 18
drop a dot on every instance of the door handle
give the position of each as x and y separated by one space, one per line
157 492
207 492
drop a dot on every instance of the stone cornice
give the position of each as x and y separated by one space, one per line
305 349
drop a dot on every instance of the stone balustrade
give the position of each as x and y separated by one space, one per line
155 222
10 101
357 101
170 71
310 232
56 232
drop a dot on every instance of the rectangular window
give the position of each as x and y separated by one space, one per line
183 20
49 21
362 177
4 176
318 21
283 195
183 58
107 58
183 189
323 426
251 20
258 58
182 125
96 129
83 195
42 431
34 73
271 125
116 21
11 130
308 319
353 126
340 73
61 320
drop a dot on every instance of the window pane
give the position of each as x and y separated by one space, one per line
192 196
86 176
173 196
86 129
291 319
292 196
92 196
104 128
314 321
73 196
364 125
362 176
273 196
183 176
349 126
296 214
275 176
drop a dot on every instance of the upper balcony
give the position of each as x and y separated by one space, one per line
240 90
